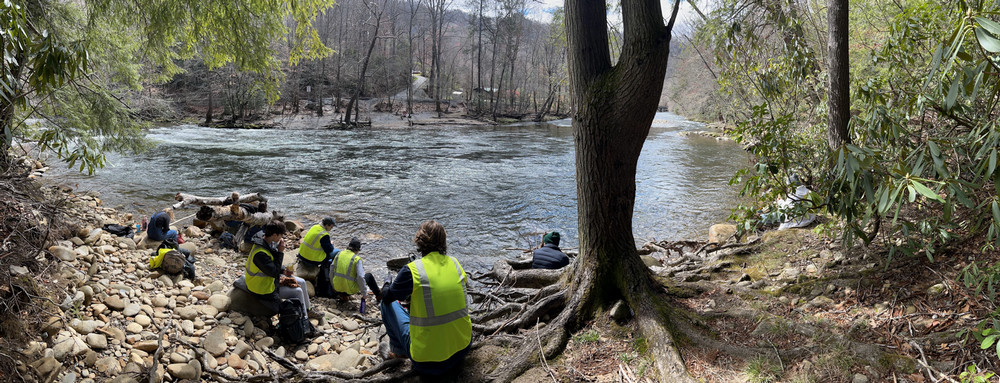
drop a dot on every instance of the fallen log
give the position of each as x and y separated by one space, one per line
190 199
236 212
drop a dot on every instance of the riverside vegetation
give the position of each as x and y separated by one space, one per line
904 176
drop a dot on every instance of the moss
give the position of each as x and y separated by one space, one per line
897 362
681 292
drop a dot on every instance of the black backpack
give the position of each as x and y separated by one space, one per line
293 323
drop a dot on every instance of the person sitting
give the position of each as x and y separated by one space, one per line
436 332
549 256
159 228
349 273
317 253
264 275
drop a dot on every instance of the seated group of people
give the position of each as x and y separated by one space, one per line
424 308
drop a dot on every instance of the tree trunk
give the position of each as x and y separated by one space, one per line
840 96
319 88
364 65
615 106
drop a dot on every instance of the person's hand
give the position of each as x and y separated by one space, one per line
281 245
362 310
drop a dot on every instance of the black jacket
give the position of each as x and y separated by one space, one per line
549 257
271 268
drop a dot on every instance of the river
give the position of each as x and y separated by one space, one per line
492 187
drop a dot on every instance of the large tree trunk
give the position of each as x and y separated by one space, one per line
840 96
615 106
377 14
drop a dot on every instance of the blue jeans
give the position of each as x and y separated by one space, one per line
397 326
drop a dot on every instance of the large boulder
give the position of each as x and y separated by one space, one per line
243 301
721 232
306 271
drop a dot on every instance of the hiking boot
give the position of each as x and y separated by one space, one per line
315 314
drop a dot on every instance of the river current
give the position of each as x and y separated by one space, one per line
492 187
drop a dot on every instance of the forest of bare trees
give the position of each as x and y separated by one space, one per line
486 58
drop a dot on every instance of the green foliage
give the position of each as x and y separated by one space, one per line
73 65
922 169
761 370
973 375
590 336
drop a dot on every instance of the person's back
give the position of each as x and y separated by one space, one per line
349 272
159 227
549 256
436 333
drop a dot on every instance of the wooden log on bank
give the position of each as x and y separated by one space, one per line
235 212
185 199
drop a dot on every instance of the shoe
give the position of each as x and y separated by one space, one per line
315 314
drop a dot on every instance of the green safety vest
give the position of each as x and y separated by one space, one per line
440 324
258 282
310 248
345 272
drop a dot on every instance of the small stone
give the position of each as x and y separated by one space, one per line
183 371
350 324
301 355
216 287
45 365
63 253
280 351
209 311
859 378
322 363
236 362
149 345
200 295
811 268
936 289
133 328
264 342
108 366
115 302
86 327
97 341
220 302
143 320
187 312
229 370
19 270
242 348
215 342
822 302
160 301
350 358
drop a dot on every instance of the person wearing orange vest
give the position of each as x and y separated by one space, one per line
436 332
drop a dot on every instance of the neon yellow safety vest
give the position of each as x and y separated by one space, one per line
440 324
156 261
310 248
345 272
257 281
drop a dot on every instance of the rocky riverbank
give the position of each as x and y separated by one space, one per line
117 321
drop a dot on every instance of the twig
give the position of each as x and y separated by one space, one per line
159 351
930 370
541 353
781 362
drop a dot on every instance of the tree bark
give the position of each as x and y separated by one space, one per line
839 101
377 14
615 106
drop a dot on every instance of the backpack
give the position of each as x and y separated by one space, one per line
293 323
173 262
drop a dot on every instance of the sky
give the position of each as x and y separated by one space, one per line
542 10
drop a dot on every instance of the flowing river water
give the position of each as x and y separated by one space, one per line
493 187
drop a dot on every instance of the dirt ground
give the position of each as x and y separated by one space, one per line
848 315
